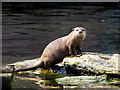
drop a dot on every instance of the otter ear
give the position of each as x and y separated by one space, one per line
73 29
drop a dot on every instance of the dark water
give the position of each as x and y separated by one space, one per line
29 27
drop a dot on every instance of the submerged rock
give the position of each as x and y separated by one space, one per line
80 80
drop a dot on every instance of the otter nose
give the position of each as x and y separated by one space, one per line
80 31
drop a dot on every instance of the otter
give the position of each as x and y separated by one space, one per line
58 49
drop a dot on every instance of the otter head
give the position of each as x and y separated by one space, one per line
80 32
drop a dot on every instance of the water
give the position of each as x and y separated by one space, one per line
28 28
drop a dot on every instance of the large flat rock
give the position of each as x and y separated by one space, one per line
95 62
89 61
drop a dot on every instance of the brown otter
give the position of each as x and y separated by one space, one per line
58 49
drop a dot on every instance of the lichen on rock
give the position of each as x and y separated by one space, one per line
95 62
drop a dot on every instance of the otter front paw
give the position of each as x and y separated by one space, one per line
78 55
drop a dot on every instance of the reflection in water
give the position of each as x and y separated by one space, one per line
28 28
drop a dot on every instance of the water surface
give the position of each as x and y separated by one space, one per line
29 27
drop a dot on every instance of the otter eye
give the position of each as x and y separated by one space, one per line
83 30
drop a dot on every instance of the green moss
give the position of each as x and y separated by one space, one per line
114 82
49 82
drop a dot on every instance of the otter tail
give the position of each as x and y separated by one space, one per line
31 67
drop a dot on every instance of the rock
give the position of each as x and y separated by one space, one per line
80 72
81 80
89 63
7 69
96 63
7 76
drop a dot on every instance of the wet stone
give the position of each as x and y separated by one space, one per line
94 62
89 62
75 72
